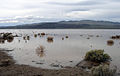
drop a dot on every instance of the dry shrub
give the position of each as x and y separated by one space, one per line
103 70
40 51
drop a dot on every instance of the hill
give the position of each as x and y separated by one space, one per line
83 24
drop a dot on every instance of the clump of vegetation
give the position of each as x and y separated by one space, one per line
97 35
24 38
97 56
62 38
2 41
42 33
118 36
103 70
110 42
38 33
115 37
49 39
81 35
10 36
66 36
88 38
35 35
6 36
28 37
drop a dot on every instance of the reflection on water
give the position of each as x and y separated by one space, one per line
40 51
62 46
50 41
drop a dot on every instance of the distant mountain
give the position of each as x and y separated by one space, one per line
83 24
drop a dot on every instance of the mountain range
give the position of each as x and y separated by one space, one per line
83 24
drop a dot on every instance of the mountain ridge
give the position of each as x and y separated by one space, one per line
82 24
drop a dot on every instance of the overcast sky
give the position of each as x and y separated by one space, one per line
32 11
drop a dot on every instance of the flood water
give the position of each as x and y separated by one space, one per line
61 51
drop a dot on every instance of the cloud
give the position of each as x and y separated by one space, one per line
27 19
9 21
84 2
80 14
32 11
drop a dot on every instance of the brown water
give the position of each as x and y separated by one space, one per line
61 52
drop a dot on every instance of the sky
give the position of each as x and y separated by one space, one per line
14 12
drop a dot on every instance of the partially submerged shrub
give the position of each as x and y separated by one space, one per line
10 38
62 38
103 70
66 36
81 35
42 33
115 37
6 36
49 39
97 35
118 36
110 42
35 35
88 38
28 37
38 33
24 38
97 56
2 41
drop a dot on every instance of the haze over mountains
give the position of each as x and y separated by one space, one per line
83 24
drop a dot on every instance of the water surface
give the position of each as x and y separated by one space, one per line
61 51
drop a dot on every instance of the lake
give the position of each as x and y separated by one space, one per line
60 51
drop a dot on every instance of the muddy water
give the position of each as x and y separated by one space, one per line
61 51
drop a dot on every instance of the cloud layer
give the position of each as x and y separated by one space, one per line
32 11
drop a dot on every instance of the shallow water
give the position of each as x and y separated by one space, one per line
61 53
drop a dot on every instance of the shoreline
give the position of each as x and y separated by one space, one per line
12 69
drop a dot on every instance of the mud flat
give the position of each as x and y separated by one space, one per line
9 68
